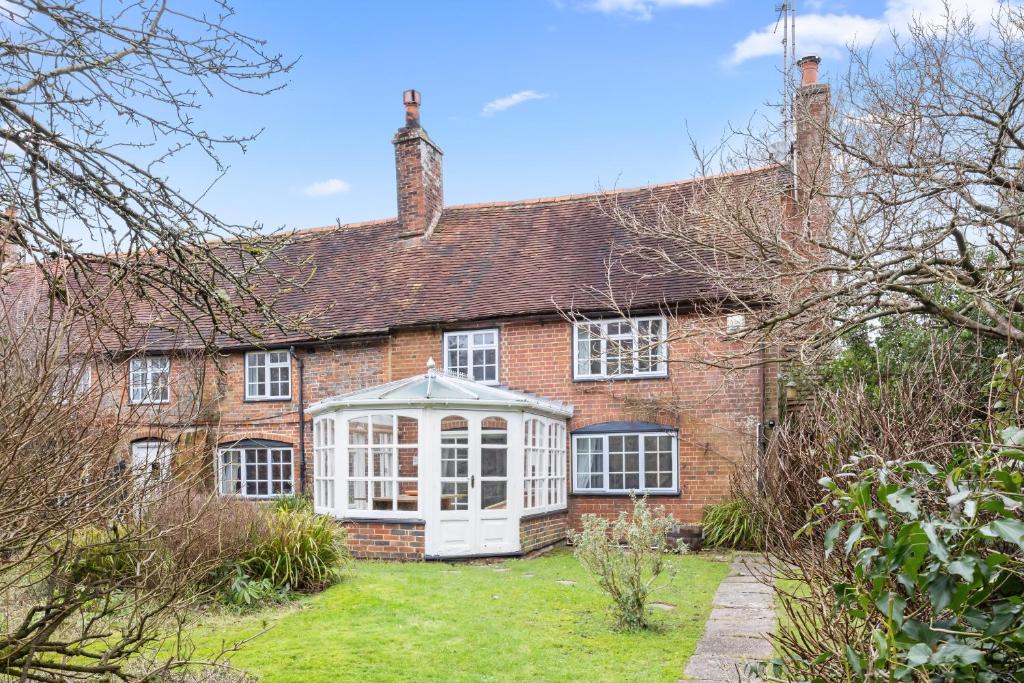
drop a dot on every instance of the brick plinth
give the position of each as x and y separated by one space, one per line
385 540
539 531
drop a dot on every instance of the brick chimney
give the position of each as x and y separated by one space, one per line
812 163
10 254
418 167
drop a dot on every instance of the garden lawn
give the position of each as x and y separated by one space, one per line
509 621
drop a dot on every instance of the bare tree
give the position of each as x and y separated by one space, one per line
100 563
906 197
95 99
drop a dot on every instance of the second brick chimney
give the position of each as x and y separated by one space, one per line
418 168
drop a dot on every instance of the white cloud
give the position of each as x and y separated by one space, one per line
643 9
503 103
829 34
326 188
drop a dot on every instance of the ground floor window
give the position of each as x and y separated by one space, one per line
256 469
543 465
151 459
382 455
643 462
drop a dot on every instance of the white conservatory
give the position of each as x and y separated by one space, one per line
465 460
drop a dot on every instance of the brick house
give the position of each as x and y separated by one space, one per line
444 401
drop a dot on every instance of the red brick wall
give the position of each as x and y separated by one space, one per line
540 531
385 540
716 411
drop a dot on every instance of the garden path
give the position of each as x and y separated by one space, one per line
742 615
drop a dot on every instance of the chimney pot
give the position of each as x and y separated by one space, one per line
411 98
808 69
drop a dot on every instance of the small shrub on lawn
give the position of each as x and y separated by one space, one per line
734 524
299 551
243 592
627 557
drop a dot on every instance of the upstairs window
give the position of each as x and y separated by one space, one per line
150 379
621 348
268 376
472 354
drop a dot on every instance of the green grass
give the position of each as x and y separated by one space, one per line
441 622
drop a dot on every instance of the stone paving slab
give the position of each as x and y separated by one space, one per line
742 615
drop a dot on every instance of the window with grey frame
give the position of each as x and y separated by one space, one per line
620 463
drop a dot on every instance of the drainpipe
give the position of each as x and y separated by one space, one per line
302 419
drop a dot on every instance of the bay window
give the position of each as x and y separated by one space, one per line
642 461
620 348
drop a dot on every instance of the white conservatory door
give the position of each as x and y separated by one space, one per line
474 512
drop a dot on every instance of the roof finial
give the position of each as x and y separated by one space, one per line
431 364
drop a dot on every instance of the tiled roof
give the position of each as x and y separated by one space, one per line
483 261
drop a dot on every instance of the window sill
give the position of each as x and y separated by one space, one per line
619 378
149 403
625 494
534 514
381 520
287 399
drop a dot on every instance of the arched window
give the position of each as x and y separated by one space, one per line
454 463
151 458
255 468
493 464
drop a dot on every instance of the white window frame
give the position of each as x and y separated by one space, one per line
324 462
145 369
152 451
637 340
243 479
735 323
470 347
368 477
605 488
268 365
544 476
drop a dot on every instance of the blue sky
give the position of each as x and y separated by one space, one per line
584 94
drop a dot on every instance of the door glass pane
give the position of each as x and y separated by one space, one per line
454 495
493 495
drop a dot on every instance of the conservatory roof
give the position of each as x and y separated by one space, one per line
443 390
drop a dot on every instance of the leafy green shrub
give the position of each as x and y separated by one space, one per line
627 557
244 592
293 503
936 559
300 551
733 524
